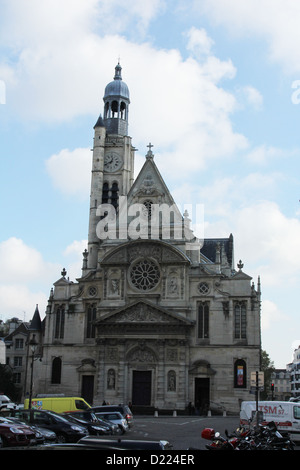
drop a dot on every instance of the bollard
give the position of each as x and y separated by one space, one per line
209 413
156 413
224 413
174 413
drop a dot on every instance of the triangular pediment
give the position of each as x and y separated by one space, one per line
142 312
241 276
150 184
62 282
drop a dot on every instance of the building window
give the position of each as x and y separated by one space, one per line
17 361
110 195
17 377
240 320
19 343
91 317
105 195
56 371
60 322
240 375
147 208
203 320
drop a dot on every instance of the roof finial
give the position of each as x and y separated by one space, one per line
118 70
149 153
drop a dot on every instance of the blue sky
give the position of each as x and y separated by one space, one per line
213 87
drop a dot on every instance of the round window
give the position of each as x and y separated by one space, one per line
145 275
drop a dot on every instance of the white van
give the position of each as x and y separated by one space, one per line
285 414
6 402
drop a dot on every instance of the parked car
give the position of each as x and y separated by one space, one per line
94 428
123 409
116 418
65 430
90 417
43 435
14 434
118 443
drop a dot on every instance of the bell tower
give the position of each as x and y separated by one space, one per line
113 158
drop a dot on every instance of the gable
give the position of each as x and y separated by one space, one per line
150 184
143 312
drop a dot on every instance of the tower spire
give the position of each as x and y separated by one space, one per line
116 105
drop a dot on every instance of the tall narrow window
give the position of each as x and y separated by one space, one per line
60 322
240 320
91 317
56 371
114 195
105 193
203 320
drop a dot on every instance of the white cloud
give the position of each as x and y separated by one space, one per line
199 42
70 171
270 314
61 68
275 21
20 262
25 277
249 95
19 301
73 257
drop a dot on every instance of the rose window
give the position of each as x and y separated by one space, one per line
145 275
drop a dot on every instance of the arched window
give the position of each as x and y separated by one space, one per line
123 110
105 190
115 109
114 194
56 371
240 374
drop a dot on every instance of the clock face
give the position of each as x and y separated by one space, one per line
112 162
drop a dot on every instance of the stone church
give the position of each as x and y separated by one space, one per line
157 317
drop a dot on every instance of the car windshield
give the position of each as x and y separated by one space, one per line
57 417
113 416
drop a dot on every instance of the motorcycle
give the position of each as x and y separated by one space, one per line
262 437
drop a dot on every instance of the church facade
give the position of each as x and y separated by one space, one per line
157 317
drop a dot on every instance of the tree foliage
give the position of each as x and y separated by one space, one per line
267 366
7 387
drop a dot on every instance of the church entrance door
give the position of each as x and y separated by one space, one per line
87 388
201 395
141 387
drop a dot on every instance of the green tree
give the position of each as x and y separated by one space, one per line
267 366
7 387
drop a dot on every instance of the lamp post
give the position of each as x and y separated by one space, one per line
33 346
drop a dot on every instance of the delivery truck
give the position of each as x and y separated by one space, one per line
57 404
285 414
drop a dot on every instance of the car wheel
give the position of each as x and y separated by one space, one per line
122 430
61 439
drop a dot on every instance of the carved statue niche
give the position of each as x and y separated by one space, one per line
171 381
111 379
114 286
173 284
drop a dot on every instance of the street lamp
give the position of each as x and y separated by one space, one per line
33 346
